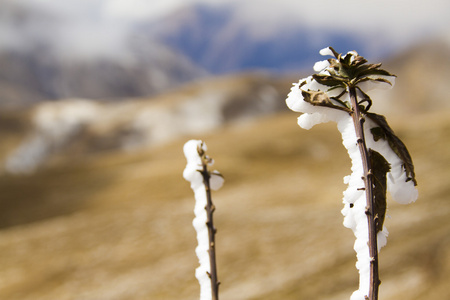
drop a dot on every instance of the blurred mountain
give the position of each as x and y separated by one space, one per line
422 82
81 127
40 75
46 56
78 127
221 39
56 51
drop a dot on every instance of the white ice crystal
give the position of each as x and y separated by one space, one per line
321 65
191 173
354 199
326 52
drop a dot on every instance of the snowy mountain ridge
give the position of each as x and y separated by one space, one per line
46 56
97 49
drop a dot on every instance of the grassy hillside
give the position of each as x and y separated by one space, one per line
118 225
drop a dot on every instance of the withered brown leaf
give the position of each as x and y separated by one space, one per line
385 132
319 98
380 167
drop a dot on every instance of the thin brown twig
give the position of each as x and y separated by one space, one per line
358 121
211 234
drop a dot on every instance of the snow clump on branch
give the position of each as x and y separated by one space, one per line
197 162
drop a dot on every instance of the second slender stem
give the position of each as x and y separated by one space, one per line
358 121
211 233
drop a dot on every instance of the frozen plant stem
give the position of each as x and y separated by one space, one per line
358 121
380 161
202 182
211 233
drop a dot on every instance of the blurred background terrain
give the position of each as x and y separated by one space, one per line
98 97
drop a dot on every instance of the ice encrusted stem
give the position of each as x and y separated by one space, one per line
210 208
202 182
358 121
380 163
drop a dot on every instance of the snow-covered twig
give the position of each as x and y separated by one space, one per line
358 122
202 182
380 160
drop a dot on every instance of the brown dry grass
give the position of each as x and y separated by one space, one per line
118 226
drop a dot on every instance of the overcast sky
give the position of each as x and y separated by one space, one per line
398 22
344 13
